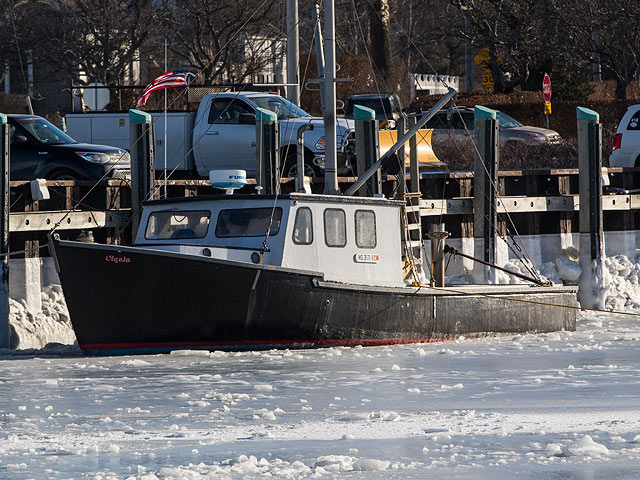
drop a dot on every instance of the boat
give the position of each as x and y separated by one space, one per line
295 270
289 271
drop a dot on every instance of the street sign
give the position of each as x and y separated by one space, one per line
546 88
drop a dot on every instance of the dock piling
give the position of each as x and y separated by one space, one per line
4 232
267 152
592 293
485 193
367 148
142 163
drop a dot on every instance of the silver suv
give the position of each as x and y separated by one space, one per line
457 124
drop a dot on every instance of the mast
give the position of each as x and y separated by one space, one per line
293 53
329 112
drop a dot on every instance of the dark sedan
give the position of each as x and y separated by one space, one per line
39 149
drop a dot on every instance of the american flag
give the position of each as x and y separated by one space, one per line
166 80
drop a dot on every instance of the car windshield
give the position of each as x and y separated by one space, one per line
506 121
281 107
378 105
45 132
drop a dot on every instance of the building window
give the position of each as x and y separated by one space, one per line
366 229
335 227
303 227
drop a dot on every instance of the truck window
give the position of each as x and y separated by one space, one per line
227 111
248 222
177 224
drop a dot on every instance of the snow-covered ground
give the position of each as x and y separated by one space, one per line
563 405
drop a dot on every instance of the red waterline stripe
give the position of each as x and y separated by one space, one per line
245 344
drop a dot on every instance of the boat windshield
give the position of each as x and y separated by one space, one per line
45 132
282 107
177 225
248 222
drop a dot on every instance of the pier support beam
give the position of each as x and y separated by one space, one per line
142 163
367 148
592 283
438 237
4 232
485 192
267 152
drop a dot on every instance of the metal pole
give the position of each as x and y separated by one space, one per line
329 87
319 50
166 68
4 232
300 156
293 52
412 131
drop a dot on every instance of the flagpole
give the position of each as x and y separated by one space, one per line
166 68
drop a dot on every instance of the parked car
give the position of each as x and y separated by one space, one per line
386 105
39 149
626 142
458 124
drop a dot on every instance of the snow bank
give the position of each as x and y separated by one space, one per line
52 325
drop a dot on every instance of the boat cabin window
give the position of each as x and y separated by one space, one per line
177 224
365 229
335 227
248 222
303 227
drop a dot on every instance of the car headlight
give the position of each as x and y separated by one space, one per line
320 144
94 157
537 137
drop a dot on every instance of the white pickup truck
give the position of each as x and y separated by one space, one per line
220 135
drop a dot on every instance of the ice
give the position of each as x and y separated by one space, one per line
559 405
585 446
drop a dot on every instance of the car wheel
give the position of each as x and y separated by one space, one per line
291 167
64 175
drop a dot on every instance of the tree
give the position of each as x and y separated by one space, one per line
516 35
224 39
606 30
97 38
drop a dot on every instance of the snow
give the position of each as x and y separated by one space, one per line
557 405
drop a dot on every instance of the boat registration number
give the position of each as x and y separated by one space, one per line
366 258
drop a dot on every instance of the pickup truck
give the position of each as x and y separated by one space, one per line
221 134
39 149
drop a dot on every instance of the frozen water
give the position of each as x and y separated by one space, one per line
554 406
561 405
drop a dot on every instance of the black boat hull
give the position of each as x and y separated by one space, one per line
131 300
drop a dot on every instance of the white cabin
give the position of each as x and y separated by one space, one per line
347 239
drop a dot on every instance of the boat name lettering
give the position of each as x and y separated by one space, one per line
114 259
366 258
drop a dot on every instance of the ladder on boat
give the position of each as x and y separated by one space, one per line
412 237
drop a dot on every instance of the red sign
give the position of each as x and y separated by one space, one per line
546 88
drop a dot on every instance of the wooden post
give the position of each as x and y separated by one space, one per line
437 236
485 194
367 148
592 291
267 152
4 232
142 163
